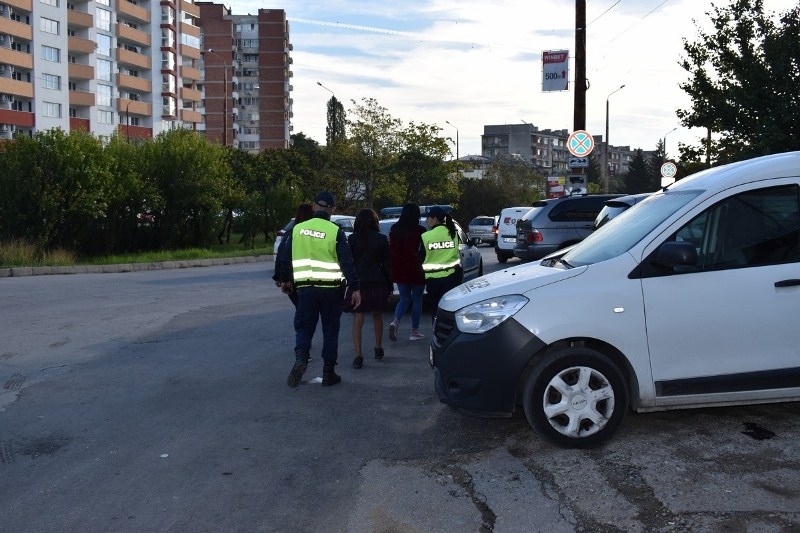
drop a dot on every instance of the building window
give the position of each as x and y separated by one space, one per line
102 19
103 70
50 109
167 61
104 2
105 117
48 25
103 44
51 81
53 3
168 106
167 38
104 95
51 54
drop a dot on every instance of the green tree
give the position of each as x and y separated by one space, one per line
641 176
337 120
521 184
743 82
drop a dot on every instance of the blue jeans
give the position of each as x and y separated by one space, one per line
409 294
313 304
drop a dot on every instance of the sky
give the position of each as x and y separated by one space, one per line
462 64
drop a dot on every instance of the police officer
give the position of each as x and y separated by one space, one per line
441 263
316 261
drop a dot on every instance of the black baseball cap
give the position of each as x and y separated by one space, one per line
325 199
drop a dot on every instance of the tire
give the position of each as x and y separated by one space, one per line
502 258
480 268
575 398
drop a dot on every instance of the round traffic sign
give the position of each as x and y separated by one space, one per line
580 143
668 169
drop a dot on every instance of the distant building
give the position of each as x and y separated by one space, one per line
136 67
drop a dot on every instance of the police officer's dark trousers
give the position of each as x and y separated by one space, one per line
314 304
437 287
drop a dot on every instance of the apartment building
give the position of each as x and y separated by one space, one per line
246 90
136 67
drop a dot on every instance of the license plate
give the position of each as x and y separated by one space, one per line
509 239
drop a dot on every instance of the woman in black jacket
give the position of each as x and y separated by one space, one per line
371 255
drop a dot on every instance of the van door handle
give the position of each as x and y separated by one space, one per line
788 283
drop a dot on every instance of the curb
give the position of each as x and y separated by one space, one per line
17 272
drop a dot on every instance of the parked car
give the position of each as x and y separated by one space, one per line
471 259
557 223
483 229
343 221
507 232
688 299
615 207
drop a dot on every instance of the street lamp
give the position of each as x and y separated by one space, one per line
224 97
335 112
665 141
458 169
605 148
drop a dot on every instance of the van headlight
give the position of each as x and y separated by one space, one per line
485 315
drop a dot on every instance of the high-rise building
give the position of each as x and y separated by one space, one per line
136 67
246 73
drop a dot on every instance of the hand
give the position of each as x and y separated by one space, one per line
286 287
355 299
278 284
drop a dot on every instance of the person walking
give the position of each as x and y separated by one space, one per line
442 264
371 255
304 212
405 245
315 263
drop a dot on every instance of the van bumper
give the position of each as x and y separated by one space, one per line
480 373
530 253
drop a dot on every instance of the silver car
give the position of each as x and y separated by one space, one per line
483 229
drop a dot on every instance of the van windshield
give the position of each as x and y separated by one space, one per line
624 231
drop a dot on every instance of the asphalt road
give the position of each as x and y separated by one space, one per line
156 401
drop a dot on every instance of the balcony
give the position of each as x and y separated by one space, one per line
189 29
190 115
127 81
24 5
16 88
80 45
190 73
16 29
81 98
190 8
134 107
81 72
192 95
126 57
79 19
133 11
128 34
17 59
190 51
17 118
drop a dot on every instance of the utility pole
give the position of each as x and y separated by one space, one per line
579 120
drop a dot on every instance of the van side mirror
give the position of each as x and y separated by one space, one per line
675 254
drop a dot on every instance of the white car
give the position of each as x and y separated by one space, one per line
343 221
690 298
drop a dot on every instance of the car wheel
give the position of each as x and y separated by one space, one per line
480 268
575 397
502 258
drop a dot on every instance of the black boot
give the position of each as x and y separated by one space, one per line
299 368
329 376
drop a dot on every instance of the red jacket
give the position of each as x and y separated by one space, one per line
405 258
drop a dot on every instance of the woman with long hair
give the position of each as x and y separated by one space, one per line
303 213
371 256
405 244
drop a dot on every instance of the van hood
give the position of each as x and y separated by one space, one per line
517 280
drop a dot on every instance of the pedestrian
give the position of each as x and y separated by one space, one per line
405 245
315 264
304 212
442 264
371 255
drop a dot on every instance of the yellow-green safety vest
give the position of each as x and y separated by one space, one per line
441 253
314 259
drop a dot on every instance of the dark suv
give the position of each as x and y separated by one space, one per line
557 223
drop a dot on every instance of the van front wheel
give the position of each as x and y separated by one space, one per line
575 397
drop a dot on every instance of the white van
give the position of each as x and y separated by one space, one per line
690 298
507 232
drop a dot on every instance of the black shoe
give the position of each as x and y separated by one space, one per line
329 376
296 374
378 353
358 362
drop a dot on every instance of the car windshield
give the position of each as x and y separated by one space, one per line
630 227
